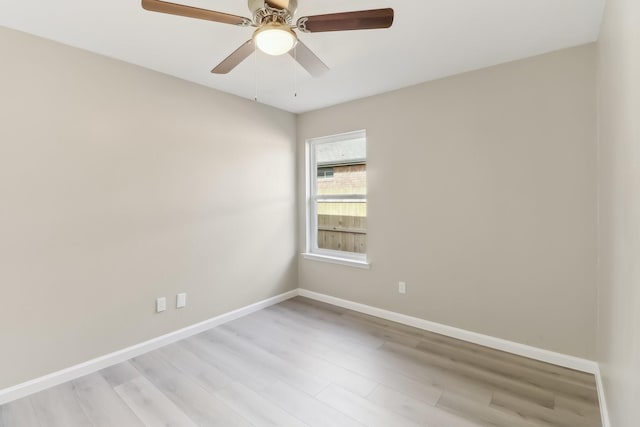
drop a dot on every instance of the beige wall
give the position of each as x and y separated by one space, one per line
619 201
482 198
119 185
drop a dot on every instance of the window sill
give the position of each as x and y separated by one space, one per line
336 260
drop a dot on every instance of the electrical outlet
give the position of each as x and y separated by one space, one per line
161 304
181 300
402 287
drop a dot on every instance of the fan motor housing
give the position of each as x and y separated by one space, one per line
256 5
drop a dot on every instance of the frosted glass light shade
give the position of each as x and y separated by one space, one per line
275 39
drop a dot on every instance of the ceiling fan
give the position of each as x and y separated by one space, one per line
274 34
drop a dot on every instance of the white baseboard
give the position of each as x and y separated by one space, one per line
531 352
77 371
604 411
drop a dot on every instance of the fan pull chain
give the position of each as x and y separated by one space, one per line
255 71
295 71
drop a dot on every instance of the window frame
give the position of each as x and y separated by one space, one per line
312 199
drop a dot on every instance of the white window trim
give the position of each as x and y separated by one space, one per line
313 252
337 260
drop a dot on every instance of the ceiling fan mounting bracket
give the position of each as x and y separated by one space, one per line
302 24
291 6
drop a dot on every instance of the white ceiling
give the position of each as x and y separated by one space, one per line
429 39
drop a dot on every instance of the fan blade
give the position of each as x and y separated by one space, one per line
233 60
194 12
308 60
360 20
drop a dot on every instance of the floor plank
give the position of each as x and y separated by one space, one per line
151 405
206 374
257 409
119 374
368 367
236 367
417 410
303 380
325 370
472 410
478 349
454 368
361 409
519 372
18 413
309 308
197 403
306 408
59 407
577 407
101 403
537 412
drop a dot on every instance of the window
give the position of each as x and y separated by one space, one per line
325 173
337 202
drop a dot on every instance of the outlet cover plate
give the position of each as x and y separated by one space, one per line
402 287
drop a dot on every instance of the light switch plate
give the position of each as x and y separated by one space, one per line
181 300
161 304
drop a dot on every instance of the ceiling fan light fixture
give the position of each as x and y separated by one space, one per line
275 38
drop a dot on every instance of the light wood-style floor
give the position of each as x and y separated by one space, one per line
304 363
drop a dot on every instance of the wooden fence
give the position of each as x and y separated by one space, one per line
342 233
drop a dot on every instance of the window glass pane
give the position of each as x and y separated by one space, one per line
342 225
347 179
340 167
